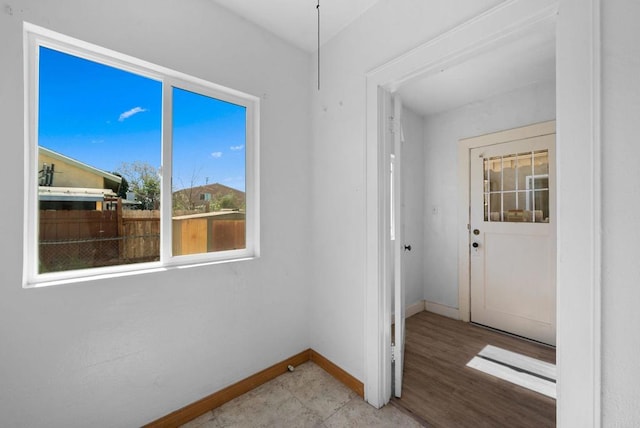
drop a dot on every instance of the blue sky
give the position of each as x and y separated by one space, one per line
103 116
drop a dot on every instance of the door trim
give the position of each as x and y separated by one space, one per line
499 25
578 149
464 203
398 253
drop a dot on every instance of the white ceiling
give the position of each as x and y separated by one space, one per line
519 63
512 65
296 20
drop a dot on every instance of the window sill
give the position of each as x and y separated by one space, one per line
148 268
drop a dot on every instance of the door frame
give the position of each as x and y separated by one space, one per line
578 148
464 199
398 244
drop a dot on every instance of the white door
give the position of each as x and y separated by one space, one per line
397 238
513 238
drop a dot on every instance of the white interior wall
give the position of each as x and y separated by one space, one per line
77 355
620 218
413 205
385 31
125 351
392 28
530 104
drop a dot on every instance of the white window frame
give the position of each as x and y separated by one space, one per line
34 37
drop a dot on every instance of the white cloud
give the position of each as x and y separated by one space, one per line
216 155
240 147
127 114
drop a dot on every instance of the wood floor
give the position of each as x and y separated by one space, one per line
440 390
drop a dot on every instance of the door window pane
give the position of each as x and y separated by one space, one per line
495 211
516 187
509 164
522 204
511 211
541 162
541 201
495 174
523 170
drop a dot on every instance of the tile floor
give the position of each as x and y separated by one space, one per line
307 397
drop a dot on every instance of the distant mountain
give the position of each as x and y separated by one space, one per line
210 197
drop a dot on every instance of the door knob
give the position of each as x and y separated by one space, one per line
475 245
407 247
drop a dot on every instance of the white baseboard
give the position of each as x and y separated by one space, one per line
415 308
425 305
410 310
445 311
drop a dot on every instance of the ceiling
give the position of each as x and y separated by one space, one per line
513 65
296 20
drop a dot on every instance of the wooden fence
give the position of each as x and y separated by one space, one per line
141 233
202 233
80 239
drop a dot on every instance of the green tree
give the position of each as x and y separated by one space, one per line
124 186
144 181
227 201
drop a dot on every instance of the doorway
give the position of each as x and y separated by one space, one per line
577 102
513 96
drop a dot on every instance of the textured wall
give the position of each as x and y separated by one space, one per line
125 351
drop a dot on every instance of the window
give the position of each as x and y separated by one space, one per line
516 187
132 166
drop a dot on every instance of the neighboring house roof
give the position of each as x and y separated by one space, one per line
221 215
107 176
216 190
73 194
